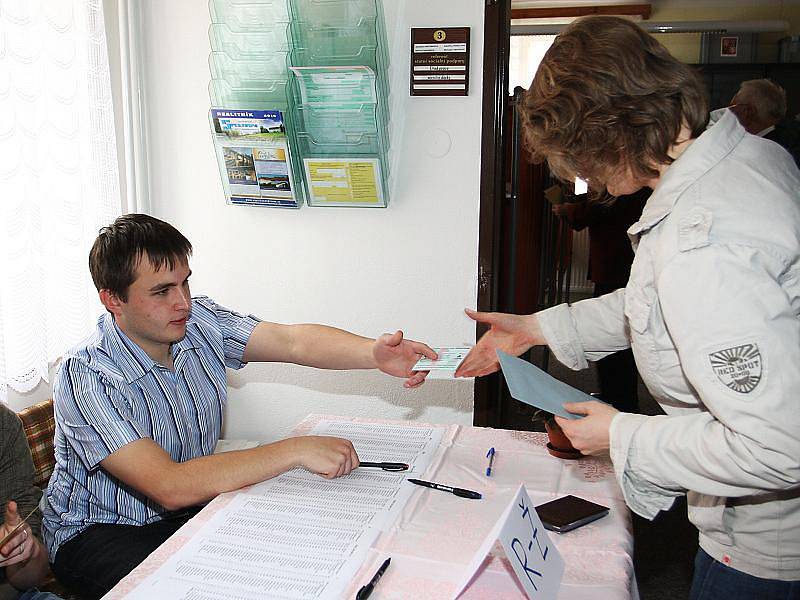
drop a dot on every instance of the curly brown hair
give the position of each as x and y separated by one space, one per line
608 98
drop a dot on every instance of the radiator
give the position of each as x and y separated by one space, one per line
579 281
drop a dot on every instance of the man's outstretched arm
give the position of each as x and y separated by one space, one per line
330 348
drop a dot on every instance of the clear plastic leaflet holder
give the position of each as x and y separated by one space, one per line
252 43
249 15
338 136
341 33
339 89
317 46
248 63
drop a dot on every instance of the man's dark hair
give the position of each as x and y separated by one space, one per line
119 247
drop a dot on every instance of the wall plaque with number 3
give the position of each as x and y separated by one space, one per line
439 61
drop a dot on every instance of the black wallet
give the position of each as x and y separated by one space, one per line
569 512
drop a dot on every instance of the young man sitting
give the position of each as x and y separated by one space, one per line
139 405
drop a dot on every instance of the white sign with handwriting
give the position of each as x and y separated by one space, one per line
536 561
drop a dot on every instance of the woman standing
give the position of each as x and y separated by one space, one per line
710 310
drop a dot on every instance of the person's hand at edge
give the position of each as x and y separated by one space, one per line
513 334
397 356
590 434
22 546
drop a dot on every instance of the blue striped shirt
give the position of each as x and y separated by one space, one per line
109 392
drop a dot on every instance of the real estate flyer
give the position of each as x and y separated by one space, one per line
253 156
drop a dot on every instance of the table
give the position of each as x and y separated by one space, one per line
437 534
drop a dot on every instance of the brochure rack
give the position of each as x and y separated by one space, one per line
323 64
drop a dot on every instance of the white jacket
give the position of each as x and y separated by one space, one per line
712 312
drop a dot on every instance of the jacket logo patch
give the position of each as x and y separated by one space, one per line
738 367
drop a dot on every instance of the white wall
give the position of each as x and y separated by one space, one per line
411 266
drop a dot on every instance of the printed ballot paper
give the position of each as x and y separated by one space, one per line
445 366
529 384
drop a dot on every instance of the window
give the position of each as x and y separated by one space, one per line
526 52
59 180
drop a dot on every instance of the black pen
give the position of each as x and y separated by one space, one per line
366 590
446 488
386 466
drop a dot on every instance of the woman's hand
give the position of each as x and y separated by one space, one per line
512 334
590 434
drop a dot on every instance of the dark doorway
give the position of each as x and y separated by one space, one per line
523 252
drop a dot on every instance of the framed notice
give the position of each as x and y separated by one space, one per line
439 61
729 46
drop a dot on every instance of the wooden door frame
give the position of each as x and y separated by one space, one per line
497 29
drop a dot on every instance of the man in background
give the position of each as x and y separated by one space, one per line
760 106
139 405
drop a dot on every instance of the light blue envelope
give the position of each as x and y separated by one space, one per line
529 384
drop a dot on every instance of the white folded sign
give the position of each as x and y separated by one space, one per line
536 561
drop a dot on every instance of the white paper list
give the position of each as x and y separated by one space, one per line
298 536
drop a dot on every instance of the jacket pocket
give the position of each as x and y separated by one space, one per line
707 513
637 309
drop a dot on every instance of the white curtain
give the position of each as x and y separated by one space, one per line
59 179
526 52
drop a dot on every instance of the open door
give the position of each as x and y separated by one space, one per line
497 30
524 252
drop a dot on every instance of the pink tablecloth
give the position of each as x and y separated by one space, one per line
437 534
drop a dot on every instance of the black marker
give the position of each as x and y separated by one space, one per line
386 466
366 590
446 488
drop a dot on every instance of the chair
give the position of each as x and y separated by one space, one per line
39 424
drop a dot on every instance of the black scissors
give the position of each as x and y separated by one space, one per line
386 466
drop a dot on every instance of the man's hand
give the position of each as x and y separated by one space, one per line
590 434
395 356
22 546
512 334
329 457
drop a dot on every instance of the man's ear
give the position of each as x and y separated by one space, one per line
746 115
111 301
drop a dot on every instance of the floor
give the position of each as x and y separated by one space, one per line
664 548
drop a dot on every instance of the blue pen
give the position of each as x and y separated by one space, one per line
490 456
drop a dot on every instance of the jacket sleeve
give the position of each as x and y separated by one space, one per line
16 467
587 330
738 339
